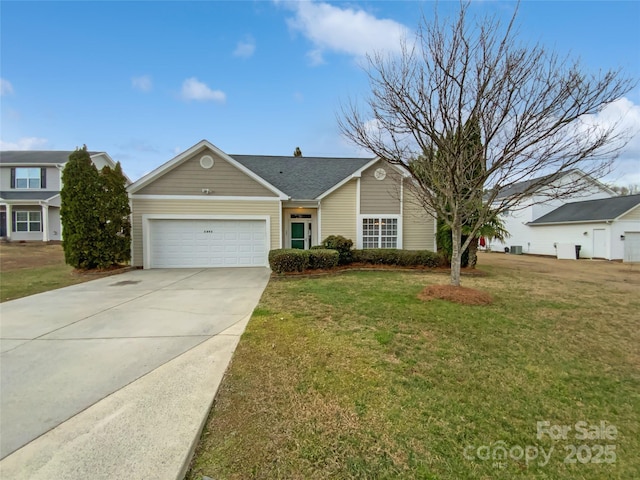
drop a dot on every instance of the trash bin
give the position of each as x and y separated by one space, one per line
578 247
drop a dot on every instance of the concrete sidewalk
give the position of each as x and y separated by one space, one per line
146 427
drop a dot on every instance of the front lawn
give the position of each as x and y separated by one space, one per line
352 376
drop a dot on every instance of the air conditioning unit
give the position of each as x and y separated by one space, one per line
515 249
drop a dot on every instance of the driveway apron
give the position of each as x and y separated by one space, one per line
65 350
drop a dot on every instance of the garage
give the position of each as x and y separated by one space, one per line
205 243
631 247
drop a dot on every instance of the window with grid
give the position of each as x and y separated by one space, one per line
379 233
28 177
28 222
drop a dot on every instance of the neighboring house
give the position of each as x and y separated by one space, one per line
30 183
608 228
205 208
594 218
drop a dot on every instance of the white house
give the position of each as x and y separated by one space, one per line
608 228
594 218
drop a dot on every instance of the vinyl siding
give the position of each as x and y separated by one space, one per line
199 207
418 227
380 196
338 212
632 215
223 179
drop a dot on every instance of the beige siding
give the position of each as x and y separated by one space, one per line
200 207
380 196
632 215
223 179
338 212
418 227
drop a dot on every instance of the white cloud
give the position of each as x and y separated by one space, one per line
344 30
245 48
142 83
5 87
193 89
24 143
624 115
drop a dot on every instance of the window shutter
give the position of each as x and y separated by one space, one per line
13 221
13 177
43 178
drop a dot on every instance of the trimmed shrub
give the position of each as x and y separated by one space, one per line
403 258
323 258
342 245
288 260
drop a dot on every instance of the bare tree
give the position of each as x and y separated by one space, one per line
534 110
631 189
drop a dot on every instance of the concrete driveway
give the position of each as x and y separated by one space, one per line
67 350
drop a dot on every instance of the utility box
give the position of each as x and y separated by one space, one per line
515 249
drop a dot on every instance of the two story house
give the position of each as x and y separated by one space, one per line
30 183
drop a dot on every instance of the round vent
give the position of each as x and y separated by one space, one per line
206 161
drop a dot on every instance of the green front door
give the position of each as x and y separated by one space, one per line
297 235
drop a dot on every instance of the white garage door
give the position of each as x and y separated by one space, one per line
207 243
632 246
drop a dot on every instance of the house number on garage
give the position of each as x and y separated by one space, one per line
208 231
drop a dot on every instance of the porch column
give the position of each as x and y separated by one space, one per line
9 221
45 222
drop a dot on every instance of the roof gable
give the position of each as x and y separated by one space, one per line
187 155
529 187
605 209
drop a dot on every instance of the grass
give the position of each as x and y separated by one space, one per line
36 267
29 281
351 376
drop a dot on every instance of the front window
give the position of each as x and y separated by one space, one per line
28 222
379 233
27 178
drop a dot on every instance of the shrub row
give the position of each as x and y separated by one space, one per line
401 258
294 260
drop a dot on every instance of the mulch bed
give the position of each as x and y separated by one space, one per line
104 272
461 295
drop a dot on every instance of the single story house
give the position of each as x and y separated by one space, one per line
30 183
206 208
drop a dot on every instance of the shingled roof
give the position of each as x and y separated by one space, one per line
520 187
605 209
302 178
37 156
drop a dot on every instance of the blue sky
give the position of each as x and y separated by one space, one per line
146 80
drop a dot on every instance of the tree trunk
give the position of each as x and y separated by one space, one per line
456 253
473 253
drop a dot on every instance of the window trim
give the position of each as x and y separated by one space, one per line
360 231
29 221
42 180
